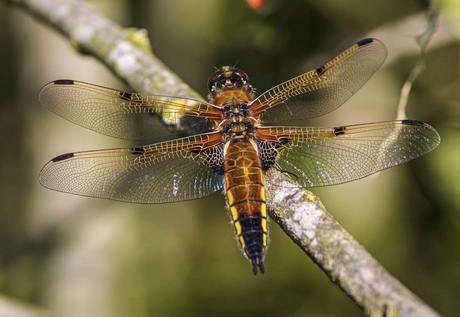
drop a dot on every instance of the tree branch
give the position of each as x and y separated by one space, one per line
300 213
125 51
307 222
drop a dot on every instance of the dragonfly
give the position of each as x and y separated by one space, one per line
235 147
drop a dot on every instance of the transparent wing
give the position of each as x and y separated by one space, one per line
159 173
122 114
330 156
324 89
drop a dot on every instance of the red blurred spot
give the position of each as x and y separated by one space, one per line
256 4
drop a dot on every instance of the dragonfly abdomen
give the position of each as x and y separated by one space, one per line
247 199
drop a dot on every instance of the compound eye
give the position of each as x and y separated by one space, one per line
244 77
212 81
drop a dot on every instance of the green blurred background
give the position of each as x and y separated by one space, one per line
79 256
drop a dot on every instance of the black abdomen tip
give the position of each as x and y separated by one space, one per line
254 236
258 265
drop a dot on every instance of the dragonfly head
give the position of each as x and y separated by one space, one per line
228 78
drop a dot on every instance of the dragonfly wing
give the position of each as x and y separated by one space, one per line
122 114
164 172
324 89
330 156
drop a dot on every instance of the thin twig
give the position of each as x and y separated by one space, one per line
300 213
422 40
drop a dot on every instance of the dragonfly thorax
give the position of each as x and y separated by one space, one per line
237 111
237 122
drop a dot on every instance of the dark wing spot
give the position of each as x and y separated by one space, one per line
63 82
284 141
320 70
138 150
339 130
125 95
62 157
213 157
268 153
365 42
413 122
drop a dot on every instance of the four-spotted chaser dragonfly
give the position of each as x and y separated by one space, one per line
236 148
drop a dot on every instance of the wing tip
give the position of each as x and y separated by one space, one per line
433 134
42 96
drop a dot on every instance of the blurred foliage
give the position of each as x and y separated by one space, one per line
85 257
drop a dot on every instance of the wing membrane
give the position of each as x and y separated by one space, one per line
324 89
159 173
122 114
330 156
